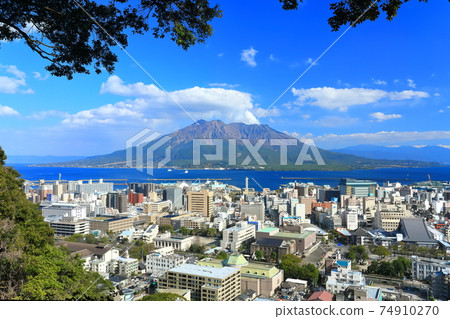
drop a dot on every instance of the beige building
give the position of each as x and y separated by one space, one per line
107 224
201 202
263 279
303 240
156 207
388 216
205 283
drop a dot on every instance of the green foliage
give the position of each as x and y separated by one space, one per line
197 249
31 267
357 253
381 251
165 228
90 239
258 255
210 232
222 255
162 296
140 249
185 231
397 268
292 269
77 238
71 42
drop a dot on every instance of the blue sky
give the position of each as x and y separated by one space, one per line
384 83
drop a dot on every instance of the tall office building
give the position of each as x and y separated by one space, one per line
201 202
175 195
143 188
118 201
359 188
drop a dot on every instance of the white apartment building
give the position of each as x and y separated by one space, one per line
57 211
158 263
342 277
126 266
233 237
423 268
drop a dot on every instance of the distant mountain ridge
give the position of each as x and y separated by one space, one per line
426 153
181 143
44 159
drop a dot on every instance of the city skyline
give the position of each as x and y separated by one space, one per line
383 82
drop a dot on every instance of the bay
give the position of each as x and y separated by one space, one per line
269 179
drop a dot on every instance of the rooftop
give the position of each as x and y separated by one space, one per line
416 230
205 271
268 230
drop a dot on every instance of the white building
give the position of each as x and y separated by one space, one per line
57 211
94 188
158 263
342 277
253 209
423 268
177 243
126 266
69 226
241 233
351 219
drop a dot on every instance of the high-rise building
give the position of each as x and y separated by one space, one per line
253 209
135 198
118 201
175 195
143 188
200 202
92 188
359 188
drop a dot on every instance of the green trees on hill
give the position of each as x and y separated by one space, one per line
31 267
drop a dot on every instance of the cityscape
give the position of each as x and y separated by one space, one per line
207 240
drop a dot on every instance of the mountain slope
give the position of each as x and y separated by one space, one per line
240 135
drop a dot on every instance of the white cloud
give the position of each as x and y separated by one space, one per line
248 56
220 55
332 98
335 121
311 61
46 114
39 76
411 83
441 111
13 85
379 82
150 102
224 85
379 138
383 117
273 58
8 111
